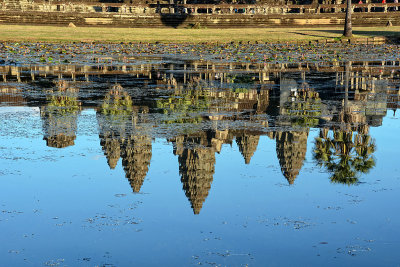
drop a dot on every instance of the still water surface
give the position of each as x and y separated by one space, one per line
198 163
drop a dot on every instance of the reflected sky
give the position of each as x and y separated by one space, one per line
187 163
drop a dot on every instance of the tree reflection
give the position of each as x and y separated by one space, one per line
345 154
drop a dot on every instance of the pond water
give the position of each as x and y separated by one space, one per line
182 161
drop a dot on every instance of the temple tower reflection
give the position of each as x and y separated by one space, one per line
247 144
115 110
123 134
136 154
299 109
59 116
291 148
196 166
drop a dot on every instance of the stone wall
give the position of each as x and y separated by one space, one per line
174 14
209 21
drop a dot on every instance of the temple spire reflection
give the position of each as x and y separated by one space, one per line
122 134
60 114
136 156
115 109
137 148
291 148
196 167
112 150
247 144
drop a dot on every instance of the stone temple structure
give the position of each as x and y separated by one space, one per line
197 13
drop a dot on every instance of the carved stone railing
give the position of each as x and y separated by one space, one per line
192 9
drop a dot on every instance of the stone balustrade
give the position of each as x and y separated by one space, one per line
192 9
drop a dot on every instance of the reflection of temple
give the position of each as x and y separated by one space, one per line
136 149
60 116
206 106
299 108
11 96
112 149
394 101
196 167
115 110
196 157
136 158
121 135
291 148
247 144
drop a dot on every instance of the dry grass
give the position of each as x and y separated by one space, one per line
66 34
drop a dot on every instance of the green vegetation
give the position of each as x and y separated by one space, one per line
240 83
62 101
241 78
240 90
305 110
181 105
117 102
22 33
62 104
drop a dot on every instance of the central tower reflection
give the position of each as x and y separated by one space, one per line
124 134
